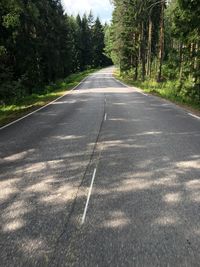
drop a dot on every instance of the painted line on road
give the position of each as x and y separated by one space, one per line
121 82
143 94
88 197
105 117
194 116
128 87
50 103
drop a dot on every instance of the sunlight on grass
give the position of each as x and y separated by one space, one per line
168 90
34 101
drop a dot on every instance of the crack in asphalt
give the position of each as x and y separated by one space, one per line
74 203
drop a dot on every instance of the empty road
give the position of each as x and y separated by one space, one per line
104 176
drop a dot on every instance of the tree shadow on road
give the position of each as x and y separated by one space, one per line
144 208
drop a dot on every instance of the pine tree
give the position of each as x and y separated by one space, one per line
40 44
98 44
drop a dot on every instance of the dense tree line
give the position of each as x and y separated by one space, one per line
40 44
157 39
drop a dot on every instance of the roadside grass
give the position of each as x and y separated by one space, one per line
167 90
30 103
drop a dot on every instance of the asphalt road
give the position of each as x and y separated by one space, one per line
105 176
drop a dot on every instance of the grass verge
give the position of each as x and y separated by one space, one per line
11 112
167 90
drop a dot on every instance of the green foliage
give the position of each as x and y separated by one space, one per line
158 41
170 89
20 106
39 44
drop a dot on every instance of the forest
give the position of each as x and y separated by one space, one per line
40 44
156 45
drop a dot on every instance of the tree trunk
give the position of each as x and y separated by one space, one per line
120 67
197 64
180 61
143 52
149 48
136 69
136 57
161 42
139 48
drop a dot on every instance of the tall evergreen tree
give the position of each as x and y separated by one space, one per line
157 39
98 44
39 44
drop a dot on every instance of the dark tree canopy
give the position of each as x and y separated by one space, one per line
40 44
157 40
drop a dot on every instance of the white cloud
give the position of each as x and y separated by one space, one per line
101 8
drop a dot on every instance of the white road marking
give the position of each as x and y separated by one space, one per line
29 114
128 86
171 104
88 197
143 94
120 82
195 116
105 117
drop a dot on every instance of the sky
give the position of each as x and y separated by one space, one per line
101 8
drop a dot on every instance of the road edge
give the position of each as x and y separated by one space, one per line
46 105
186 109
